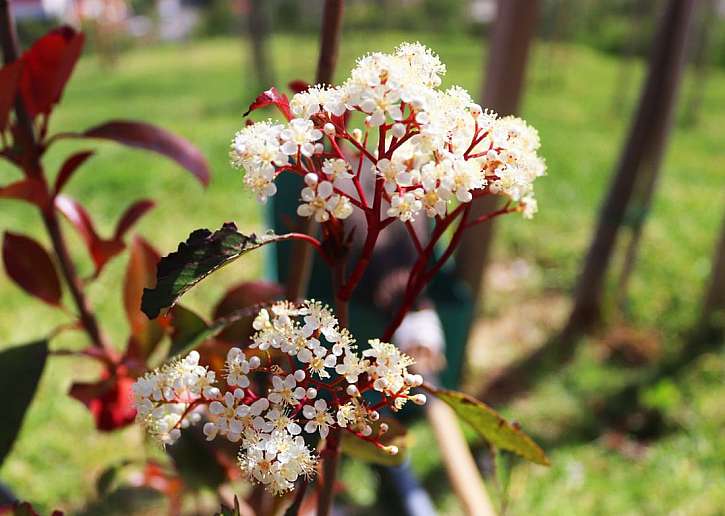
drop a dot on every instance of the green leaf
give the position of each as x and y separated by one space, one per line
188 328
366 451
491 425
203 253
20 371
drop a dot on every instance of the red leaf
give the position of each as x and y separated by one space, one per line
241 296
47 66
9 79
29 190
132 214
140 274
110 400
146 136
101 250
79 217
271 96
155 477
30 266
298 86
69 167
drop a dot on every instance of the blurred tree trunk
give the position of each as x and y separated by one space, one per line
258 28
646 184
622 85
712 319
640 158
701 62
329 40
502 90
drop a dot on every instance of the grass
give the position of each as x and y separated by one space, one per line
200 89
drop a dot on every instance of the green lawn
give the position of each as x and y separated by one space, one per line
200 90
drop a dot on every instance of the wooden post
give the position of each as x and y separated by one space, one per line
258 29
713 308
641 157
642 154
502 91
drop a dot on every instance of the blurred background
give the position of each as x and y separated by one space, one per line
630 409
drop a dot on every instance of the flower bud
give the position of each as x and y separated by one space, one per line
419 399
329 129
357 134
311 393
353 391
254 362
398 130
391 450
384 428
299 375
319 148
311 179
422 117
374 415
367 431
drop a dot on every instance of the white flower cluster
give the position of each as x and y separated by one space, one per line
167 399
322 389
434 147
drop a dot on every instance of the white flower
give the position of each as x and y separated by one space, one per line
315 201
285 390
339 206
299 136
306 103
336 170
319 418
318 359
277 419
389 369
224 417
380 101
261 182
351 367
394 173
319 317
238 367
404 206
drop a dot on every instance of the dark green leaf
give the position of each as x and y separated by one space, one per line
198 461
20 371
491 425
203 253
107 478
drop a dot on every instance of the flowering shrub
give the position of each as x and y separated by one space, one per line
305 397
434 147
392 145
